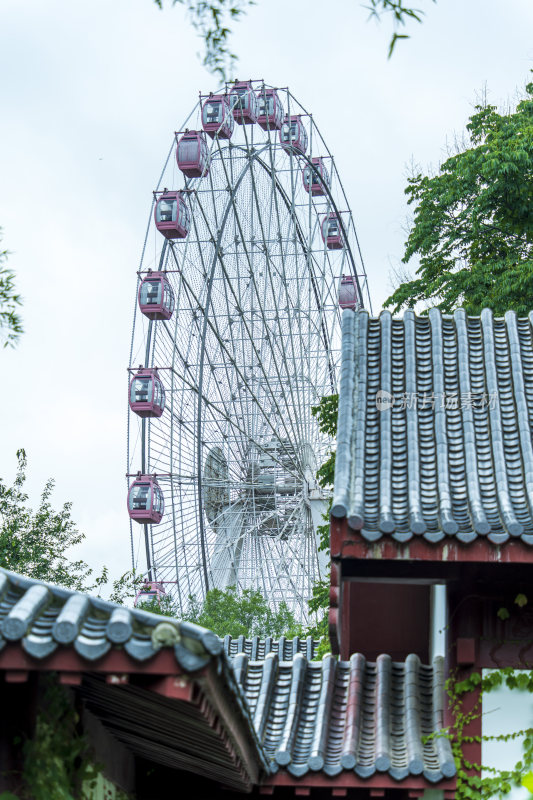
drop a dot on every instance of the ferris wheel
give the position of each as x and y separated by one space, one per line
235 338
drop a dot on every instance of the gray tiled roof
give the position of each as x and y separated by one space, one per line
297 714
257 648
349 715
453 455
44 618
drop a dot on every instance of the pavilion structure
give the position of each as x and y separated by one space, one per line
168 705
434 491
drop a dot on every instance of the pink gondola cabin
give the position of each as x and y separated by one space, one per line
293 136
146 504
156 298
270 110
348 292
317 178
152 590
192 154
146 393
217 119
331 232
243 103
172 216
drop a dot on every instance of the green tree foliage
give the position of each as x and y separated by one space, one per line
56 759
247 614
10 321
125 588
164 605
473 222
35 543
212 20
326 413
319 605
400 15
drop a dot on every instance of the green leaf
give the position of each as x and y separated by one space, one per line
502 613
521 600
395 37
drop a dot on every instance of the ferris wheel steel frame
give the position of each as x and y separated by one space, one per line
202 311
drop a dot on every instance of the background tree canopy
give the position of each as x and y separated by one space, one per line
10 322
245 614
35 543
473 223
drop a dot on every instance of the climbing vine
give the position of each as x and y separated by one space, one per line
495 783
479 781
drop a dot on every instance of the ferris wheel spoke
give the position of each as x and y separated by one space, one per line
283 574
217 384
226 352
295 402
227 551
226 556
316 289
279 223
221 341
249 256
192 384
244 322
220 413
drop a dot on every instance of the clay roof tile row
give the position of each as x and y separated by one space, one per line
435 426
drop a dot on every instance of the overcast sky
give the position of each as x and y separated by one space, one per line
91 92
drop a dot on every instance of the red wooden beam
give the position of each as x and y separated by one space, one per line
117 662
348 543
498 654
70 678
175 688
349 780
117 680
16 675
